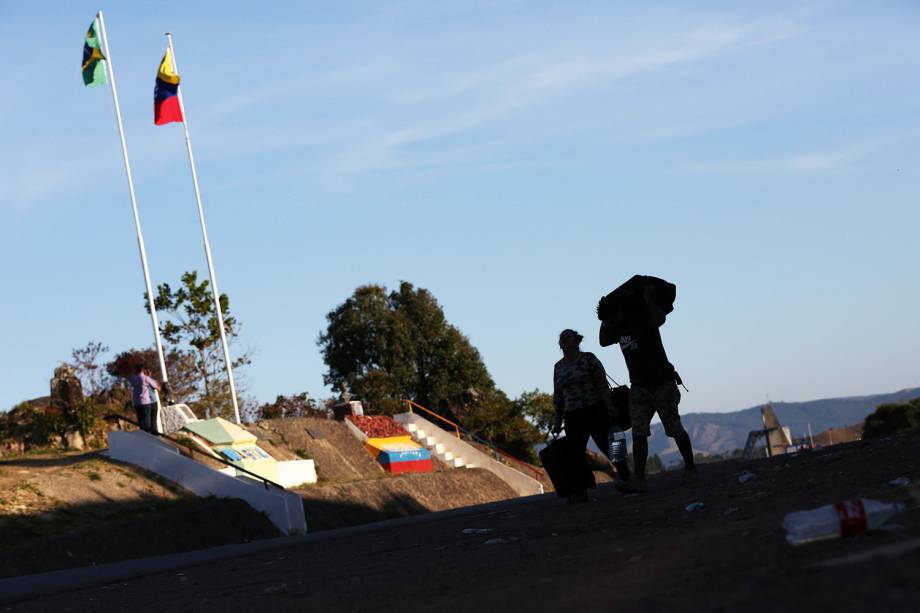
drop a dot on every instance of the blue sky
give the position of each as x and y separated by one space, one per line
517 159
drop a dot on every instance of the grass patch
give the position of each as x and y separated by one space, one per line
303 454
127 473
93 476
31 453
29 487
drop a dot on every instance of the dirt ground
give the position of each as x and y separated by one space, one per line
338 455
624 553
62 510
358 502
354 489
77 509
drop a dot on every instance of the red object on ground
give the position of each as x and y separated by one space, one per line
377 426
415 466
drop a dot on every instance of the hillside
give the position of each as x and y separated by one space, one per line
724 432
620 553
61 509
64 509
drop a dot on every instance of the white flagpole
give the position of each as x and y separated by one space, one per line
204 234
137 220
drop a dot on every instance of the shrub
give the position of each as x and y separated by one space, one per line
85 418
893 417
296 405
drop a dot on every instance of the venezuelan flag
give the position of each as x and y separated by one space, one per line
93 69
166 94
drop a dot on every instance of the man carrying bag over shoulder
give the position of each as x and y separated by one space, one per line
634 323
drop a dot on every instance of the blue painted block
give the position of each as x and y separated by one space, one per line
413 455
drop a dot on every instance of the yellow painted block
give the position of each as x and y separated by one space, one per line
391 439
391 443
263 468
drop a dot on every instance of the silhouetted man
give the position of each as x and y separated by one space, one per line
654 386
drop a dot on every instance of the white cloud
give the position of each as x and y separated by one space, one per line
794 163
471 100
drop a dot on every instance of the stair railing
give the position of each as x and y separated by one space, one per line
412 405
496 452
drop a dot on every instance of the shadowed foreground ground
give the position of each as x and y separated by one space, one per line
636 553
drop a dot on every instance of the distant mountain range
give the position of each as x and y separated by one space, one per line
725 432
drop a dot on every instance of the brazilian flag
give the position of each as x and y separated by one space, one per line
93 69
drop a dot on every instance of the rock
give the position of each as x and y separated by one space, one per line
66 389
74 440
175 416
746 476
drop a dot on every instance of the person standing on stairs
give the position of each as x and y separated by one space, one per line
582 401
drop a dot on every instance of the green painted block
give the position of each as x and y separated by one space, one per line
219 431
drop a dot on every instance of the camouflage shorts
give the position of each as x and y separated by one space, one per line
663 399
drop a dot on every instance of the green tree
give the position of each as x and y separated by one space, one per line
538 408
386 347
501 421
192 332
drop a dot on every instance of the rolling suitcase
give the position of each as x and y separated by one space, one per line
555 461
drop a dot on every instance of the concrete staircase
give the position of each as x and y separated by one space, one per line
457 453
432 441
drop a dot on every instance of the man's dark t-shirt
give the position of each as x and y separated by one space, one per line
645 358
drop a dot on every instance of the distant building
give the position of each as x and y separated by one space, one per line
778 436
835 436
778 439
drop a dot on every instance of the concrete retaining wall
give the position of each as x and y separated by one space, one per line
284 509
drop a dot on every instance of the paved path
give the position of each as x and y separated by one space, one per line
623 553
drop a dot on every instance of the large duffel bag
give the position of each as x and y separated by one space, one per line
627 302
554 458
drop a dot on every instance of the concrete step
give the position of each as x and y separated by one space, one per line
438 449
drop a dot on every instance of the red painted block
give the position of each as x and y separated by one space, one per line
414 466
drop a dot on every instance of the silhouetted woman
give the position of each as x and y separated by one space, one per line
144 389
582 400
